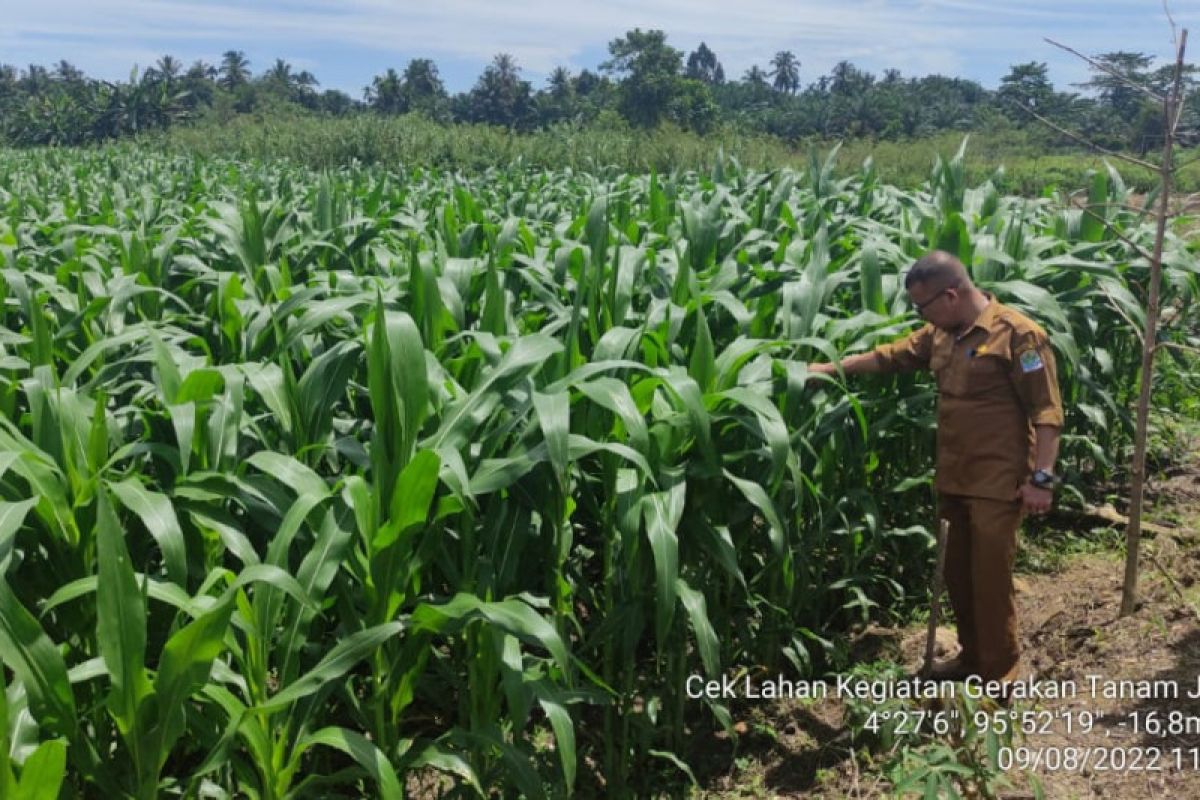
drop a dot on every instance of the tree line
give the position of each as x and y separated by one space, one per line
645 82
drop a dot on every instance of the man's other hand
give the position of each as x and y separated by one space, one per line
1034 500
822 369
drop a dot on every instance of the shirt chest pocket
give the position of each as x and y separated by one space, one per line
949 379
984 375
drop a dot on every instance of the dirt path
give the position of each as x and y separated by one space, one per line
1133 674
1151 742
1132 746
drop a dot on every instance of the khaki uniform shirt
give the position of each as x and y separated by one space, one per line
995 382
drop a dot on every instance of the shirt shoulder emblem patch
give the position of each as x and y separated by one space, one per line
1031 361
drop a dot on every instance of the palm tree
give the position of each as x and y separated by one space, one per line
506 67
702 65
36 80
235 69
421 79
557 102
786 71
8 79
559 83
848 79
168 68
385 94
280 76
67 72
304 85
331 101
500 97
755 76
423 89
587 82
204 69
199 82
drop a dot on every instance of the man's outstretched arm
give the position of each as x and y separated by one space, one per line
910 353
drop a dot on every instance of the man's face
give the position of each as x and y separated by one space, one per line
939 307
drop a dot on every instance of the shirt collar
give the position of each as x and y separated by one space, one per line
985 318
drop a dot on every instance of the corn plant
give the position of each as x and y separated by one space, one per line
358 480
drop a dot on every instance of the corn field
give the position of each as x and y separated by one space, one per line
382 483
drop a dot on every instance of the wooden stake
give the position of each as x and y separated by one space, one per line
935 595
1133 533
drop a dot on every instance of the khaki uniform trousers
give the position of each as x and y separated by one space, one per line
979 561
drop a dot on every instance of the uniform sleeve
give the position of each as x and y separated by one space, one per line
908 354
1035 377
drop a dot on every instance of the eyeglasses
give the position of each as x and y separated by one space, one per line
920 307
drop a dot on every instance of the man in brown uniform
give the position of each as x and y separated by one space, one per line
999 417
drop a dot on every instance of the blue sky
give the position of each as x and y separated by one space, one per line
346 43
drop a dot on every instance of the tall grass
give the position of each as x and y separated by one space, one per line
1032 162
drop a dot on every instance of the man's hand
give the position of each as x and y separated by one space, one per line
1034 500
857 364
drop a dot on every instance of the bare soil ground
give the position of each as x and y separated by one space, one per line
1071 628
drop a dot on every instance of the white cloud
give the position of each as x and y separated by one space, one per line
966 37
